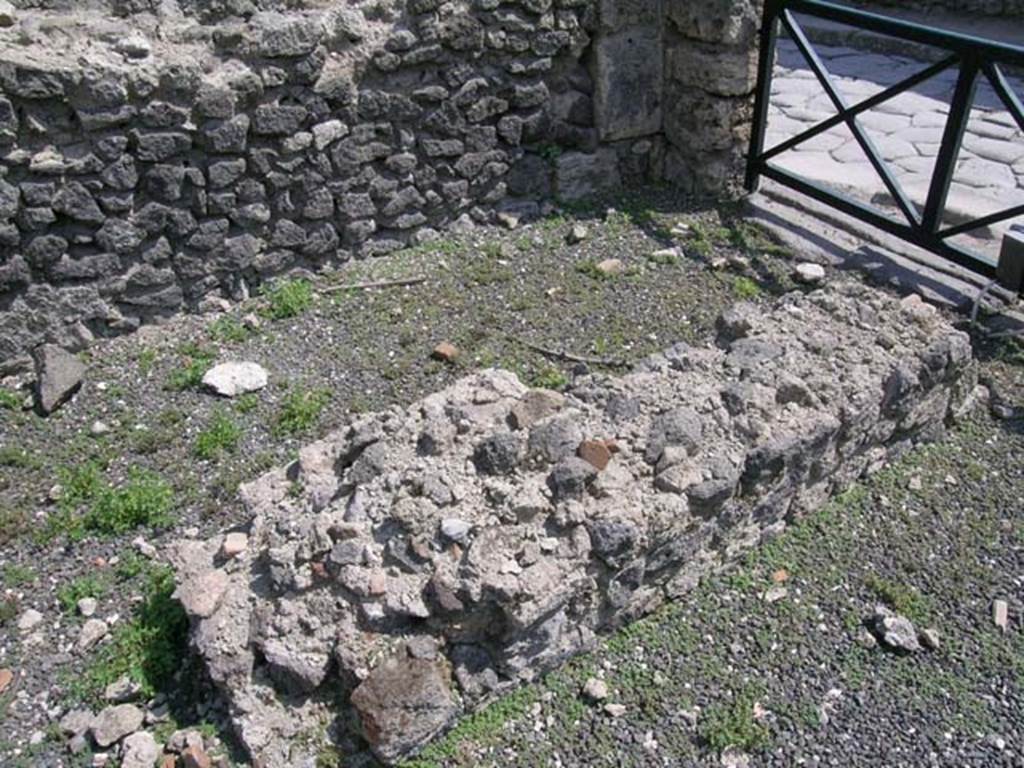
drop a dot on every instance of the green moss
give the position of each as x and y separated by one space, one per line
300 411
221 435
287 298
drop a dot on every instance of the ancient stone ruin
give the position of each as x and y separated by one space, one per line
409 567
156 152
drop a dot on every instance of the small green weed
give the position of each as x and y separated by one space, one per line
83 586
287 298
8 610
89 504
732 724
220 436
745 288
195 362
300 411
486 271
591 270
13 524
903 599
704 237
18 575
9 399
149 648
549 377
19 458
227 329
550 152
146 360
246 403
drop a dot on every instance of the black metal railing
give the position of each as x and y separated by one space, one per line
974 57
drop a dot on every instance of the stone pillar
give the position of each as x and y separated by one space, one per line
710 71
628 69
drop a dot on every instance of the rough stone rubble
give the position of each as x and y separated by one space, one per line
407 568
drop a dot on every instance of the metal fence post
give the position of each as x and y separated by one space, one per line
763 89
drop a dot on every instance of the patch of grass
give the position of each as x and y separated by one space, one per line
9 399
89 504
15 575
228 329
195 362
476 728
486 271
247 403
703 238
732 724
903 599
549 377
130 565
149 648
146 360
220 436
745 288
18 458
287 298
590 269
90 585
8 610
300 411
14 523
753 240
663 258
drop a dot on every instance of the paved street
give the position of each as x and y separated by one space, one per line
907 131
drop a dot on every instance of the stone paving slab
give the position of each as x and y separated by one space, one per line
907 131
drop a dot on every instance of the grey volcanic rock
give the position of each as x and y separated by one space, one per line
403 703
508 574
59 375
114 723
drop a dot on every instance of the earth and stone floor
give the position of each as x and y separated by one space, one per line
725 677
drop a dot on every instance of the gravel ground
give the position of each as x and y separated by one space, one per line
68 485
940 535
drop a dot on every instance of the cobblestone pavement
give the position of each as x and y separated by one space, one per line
907 130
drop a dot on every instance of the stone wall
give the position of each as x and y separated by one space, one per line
423 560
154 152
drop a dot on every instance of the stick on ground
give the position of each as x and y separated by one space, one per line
375 284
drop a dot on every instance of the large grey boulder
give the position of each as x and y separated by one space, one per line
59 376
